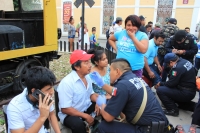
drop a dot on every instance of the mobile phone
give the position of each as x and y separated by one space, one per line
36 93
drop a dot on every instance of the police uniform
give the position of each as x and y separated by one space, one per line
188 45
180 88
128 100
168 30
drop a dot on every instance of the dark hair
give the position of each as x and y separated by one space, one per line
121 60
117 21
121 64
187 28
38 77
93 28
76 64
80 18
159 34
135 20
97 55
150 22
180 35
70 19
147 26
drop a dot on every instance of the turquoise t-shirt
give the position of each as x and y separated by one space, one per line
127 50
106 78
151 52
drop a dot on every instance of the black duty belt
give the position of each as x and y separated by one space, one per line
185 88
158 127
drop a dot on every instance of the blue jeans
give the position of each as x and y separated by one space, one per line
118 127
156 72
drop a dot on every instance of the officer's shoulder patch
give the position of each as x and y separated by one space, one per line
174 73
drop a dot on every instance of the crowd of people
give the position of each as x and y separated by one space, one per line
117 90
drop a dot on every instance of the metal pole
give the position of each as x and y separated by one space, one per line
82 25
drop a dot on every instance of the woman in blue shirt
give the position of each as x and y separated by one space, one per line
131 44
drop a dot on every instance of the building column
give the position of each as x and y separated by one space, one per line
174 9
195 16
137 5
155 11
101 20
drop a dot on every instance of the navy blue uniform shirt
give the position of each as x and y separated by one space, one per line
129 98
188 45
182 74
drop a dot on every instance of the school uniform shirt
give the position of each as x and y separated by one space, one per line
129 97
127 50
22 114
72 92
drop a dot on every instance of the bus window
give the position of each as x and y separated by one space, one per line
32 5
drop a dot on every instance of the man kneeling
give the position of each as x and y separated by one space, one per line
127 97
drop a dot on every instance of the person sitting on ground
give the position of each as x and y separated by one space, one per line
76 96
180 88
25 113
127 97
100 62
152 68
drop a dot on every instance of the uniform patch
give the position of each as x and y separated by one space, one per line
136 82
174 73
186 41
188 65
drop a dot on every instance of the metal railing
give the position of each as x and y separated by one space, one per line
65 47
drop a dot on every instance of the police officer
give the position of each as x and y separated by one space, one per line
182 45
169 30
127 97
180 88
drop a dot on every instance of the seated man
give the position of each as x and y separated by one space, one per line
24 113
127 97
150 58
76 94
180 88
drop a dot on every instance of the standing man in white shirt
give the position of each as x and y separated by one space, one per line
118 24
25 113
76 96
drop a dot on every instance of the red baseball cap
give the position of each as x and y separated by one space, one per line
79 55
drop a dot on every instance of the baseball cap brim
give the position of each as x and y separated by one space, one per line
86 57
83 57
